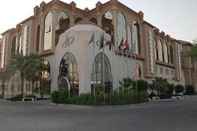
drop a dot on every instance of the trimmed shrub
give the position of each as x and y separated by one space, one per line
164 88
167 91
142 85
179 89
113 99
84 99
170 89
126 83
189 90
59 96
16 98
125 94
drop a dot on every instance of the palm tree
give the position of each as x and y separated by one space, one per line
34 68
28 66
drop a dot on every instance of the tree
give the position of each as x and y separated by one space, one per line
33 67
28 66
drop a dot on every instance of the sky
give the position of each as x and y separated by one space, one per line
178 18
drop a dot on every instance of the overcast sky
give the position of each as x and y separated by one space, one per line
177 18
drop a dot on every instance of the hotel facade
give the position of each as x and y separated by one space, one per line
86 48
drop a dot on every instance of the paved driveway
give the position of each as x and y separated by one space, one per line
155 116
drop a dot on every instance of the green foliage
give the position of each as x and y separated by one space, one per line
59 96
170 90
29 67
132 97
163 87
33 67
126 83
125 94
83 99
142 85
16 98
189 90
179 89
193 52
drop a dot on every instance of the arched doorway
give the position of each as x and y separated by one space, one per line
68 74
101 73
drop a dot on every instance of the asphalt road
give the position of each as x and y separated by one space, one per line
169 115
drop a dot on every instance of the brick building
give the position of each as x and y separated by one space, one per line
100 46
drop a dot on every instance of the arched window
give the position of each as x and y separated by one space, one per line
160 50
63 23
48 31
121 32
165 51
135 38
13 48
101 73
107 23
68 74
38 38
94 20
